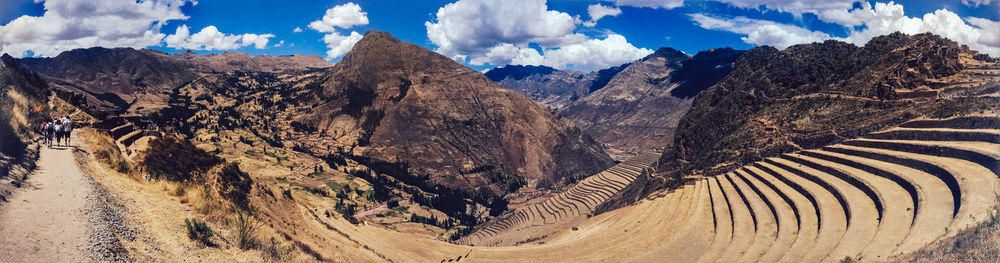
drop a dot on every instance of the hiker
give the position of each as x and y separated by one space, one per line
58 130
45 139
49 132
67 128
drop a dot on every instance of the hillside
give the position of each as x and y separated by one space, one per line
639 108
22 108
553 88
398 102
817 94
140 81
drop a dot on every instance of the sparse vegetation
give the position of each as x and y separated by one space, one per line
246 231
199 231
177 160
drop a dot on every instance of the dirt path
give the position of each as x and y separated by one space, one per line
52 218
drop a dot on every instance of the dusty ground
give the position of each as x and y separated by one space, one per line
53 218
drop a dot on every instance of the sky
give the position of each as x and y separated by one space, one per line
565 34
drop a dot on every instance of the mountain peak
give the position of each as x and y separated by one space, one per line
518 72
667 52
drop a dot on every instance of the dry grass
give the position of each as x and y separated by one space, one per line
979 243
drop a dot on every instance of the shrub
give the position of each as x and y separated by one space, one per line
235 185
122 166
276 250
198 231
246 232
177 160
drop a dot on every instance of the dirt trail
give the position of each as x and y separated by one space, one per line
48 220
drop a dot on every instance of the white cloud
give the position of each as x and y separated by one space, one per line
589 55
470 27
595 54
797 7
71 24
297 30
527 33
976 3
280 43
210 38
665 4
343 16
507 53
761 32
339 45
871 20
598 11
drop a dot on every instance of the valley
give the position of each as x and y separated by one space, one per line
822 152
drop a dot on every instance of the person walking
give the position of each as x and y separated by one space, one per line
49 132
67 129
57 129
45 139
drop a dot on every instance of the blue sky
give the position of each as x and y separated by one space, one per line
484 34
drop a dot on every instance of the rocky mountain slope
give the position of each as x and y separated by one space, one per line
553 88
401 102
406 112
140 81
810 95
638 109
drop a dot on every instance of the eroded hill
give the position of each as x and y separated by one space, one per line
810 95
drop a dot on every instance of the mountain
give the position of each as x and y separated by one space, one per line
399 102
810 95
140 81
553 88
638 109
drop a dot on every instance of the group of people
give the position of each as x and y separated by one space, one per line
57 131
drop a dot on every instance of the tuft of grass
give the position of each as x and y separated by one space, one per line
246 232
199 231
276 251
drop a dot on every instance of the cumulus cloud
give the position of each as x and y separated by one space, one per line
280 43
343 16
761 32
665 4
339 45
527 33
595 54
210 38
71 24
297 30
475 26
598 11
589 55
863 24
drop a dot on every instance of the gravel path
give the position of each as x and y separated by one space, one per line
60 215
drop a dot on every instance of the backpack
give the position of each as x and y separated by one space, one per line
48 127
43 125
67 126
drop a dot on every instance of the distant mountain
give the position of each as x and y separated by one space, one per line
553 88
141 80
810 95
639 107
401 102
